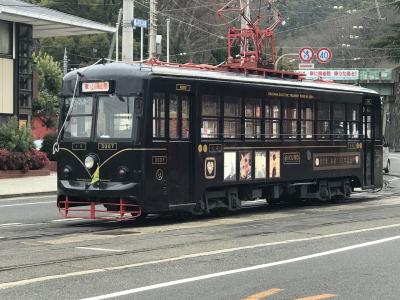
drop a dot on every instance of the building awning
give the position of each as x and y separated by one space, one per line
48 22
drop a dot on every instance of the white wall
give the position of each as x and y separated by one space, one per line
6 86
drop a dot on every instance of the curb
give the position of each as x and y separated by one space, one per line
51 193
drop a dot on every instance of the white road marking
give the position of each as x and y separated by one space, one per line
26 204
188 256
12 199
10 224
100 249
241 270
67 220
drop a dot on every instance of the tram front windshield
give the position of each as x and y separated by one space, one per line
114 117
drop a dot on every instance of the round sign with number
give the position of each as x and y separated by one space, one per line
324 55
306 54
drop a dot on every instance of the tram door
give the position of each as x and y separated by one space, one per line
368 137
179 150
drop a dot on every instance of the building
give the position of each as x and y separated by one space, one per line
20 23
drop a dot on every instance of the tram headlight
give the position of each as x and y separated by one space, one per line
123 172
89 162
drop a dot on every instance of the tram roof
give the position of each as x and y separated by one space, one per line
122 70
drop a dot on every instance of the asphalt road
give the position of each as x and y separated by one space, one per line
320 251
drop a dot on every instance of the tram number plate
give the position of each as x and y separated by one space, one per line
79 146
291 158
215 148
159 160
183 87
107 146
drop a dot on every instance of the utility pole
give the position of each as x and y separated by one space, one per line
153 29
168 29
114 42
65 62
246 4
246 7
127 31
378 10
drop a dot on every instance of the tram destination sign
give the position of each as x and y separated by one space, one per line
95 87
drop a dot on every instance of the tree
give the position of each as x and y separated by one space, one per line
391 41
50 79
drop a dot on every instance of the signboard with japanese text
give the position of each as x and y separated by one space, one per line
334 74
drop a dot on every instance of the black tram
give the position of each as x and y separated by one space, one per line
139 139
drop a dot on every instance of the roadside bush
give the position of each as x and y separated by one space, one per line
31 160
47 145
15 139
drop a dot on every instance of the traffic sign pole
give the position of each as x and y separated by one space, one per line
141 43
142 24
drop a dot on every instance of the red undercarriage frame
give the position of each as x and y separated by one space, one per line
90 210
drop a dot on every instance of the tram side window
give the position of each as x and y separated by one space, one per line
290 114
253 118
159 116
352 121
272 119
173 117
307 120
185 117
179 117
339 120
324 120
210 114
232 117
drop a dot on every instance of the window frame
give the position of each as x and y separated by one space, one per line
302 120
339 136
319 120
10 39
238 118
179 117
287 136
156 117
271 119
255 121
350 121
214 118
91 114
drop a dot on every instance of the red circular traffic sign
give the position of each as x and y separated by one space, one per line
306 54
324 55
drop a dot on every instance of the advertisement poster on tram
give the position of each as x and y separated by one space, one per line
229 166
274 164
245 165
260 165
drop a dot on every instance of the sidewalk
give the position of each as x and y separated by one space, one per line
28 186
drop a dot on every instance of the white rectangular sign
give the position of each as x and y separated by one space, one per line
334 74
308 66
139 23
